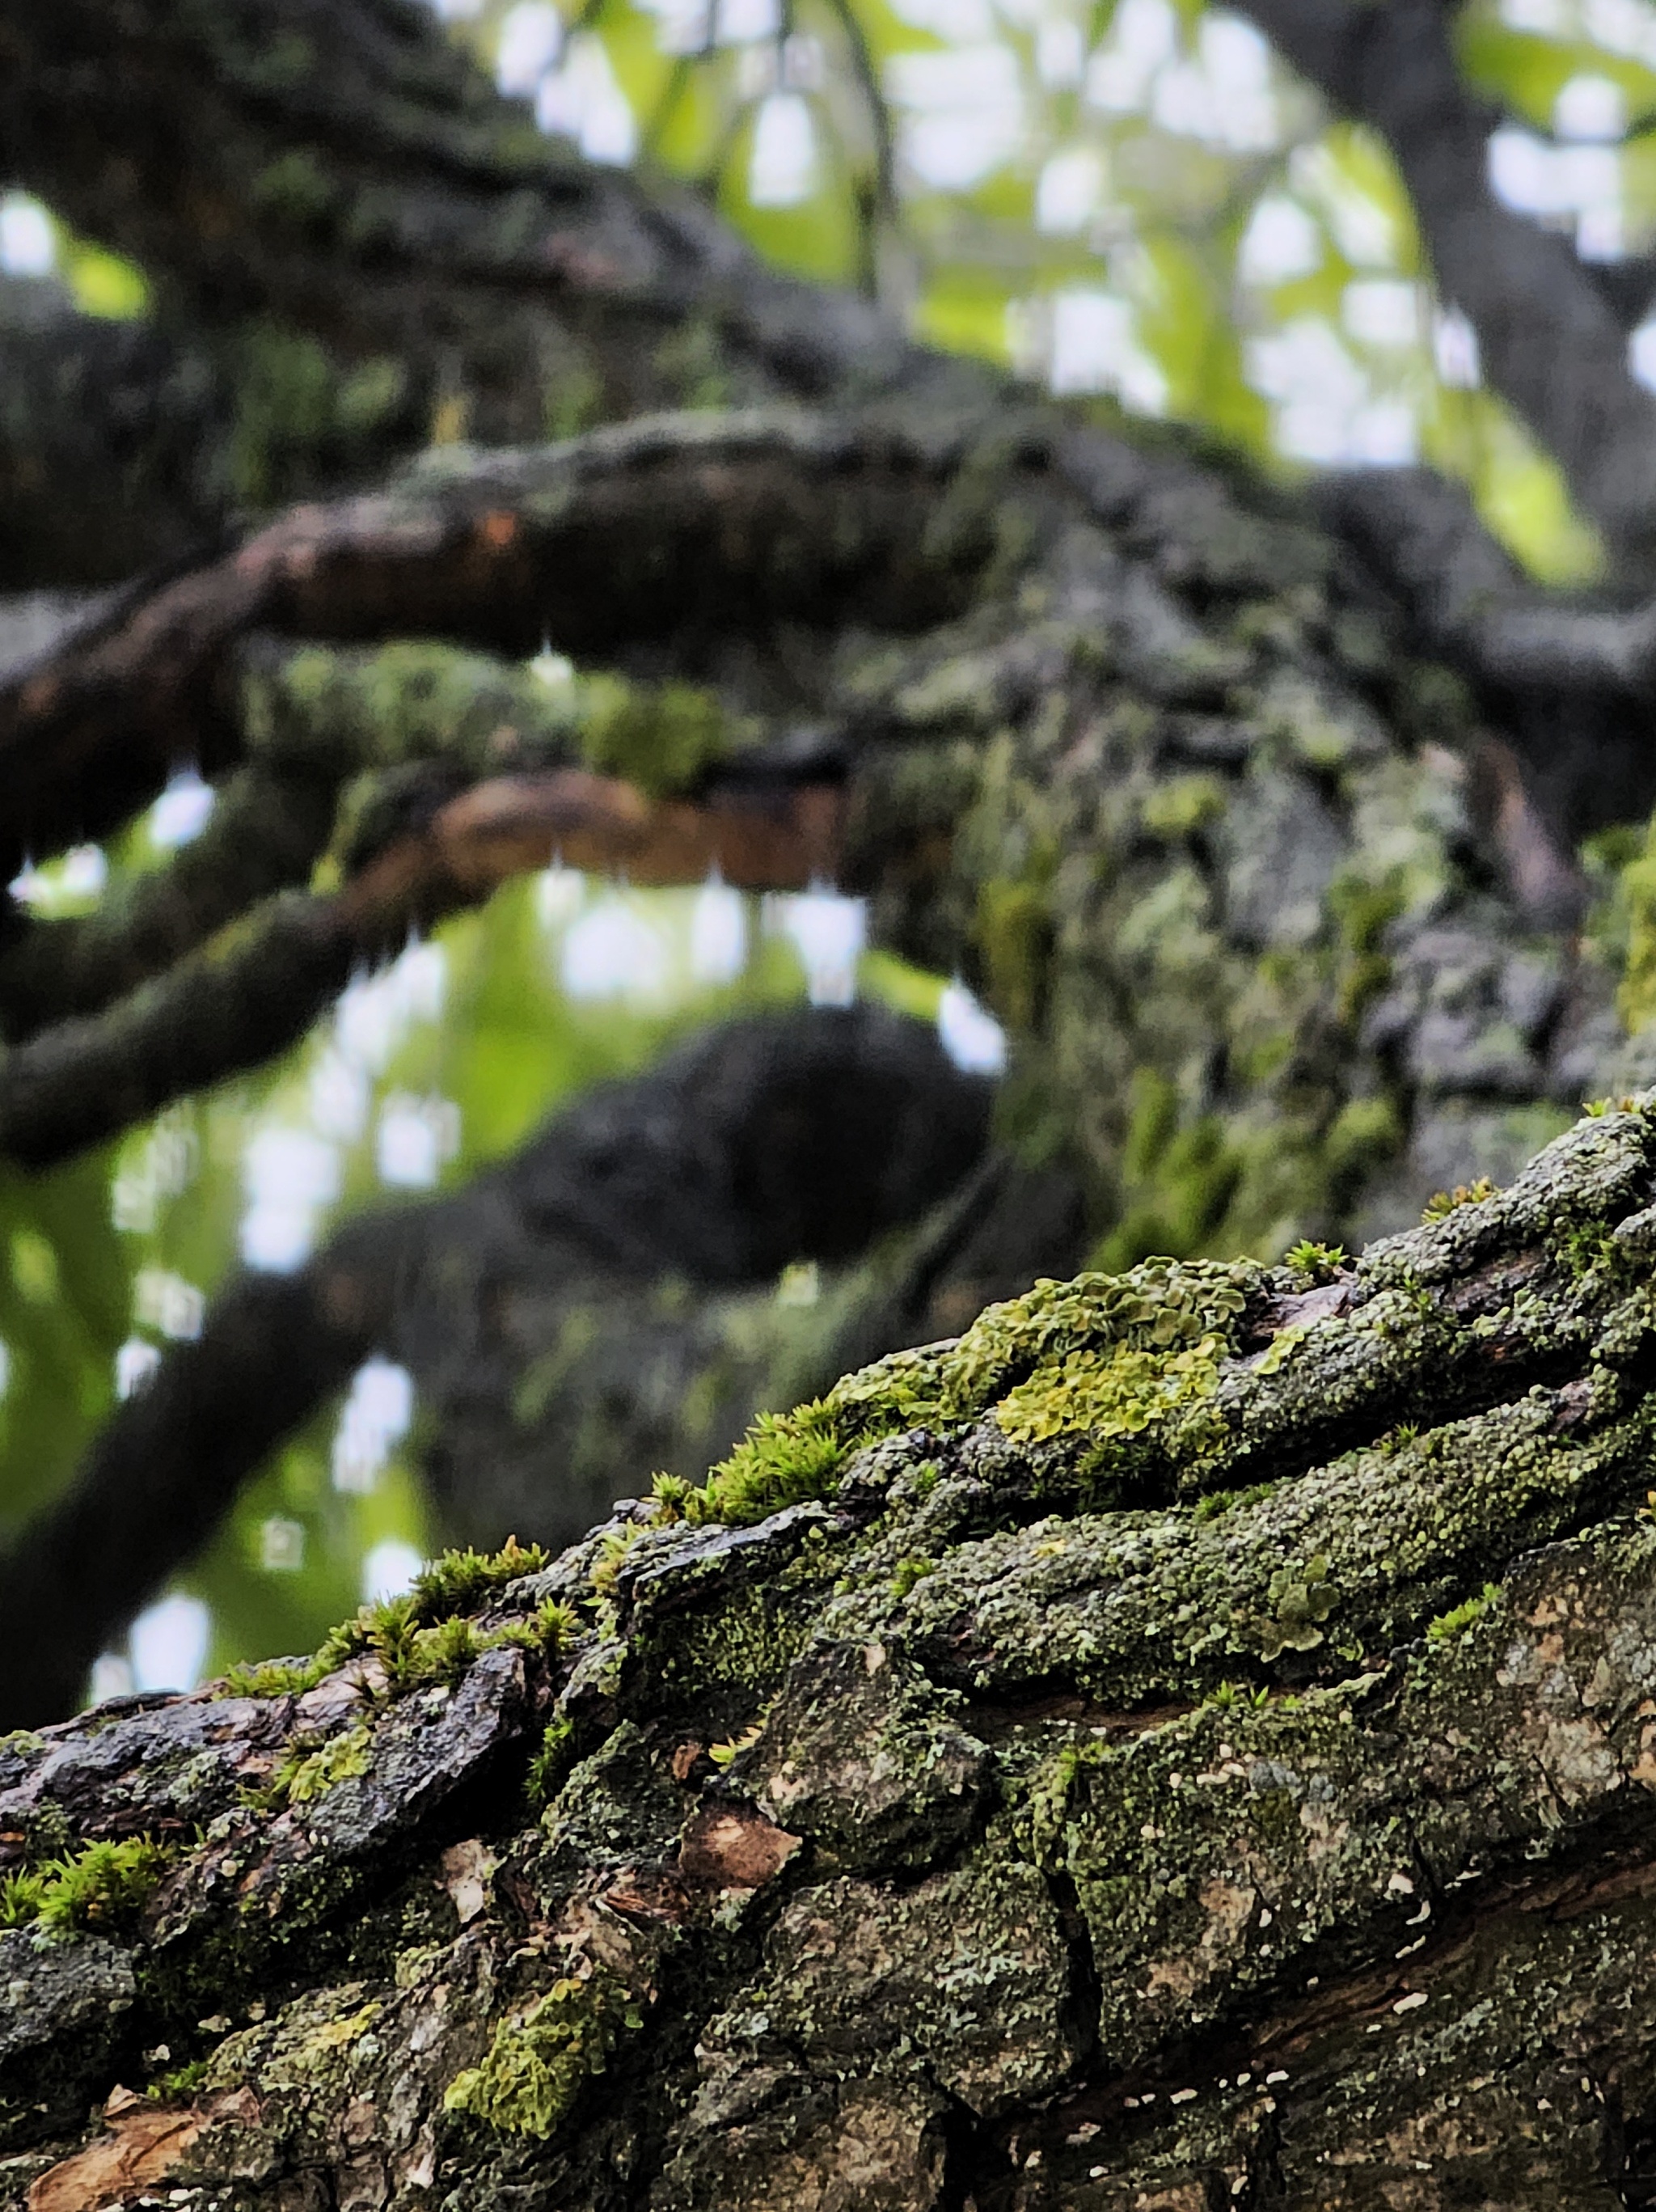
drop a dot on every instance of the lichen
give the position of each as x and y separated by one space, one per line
543 2057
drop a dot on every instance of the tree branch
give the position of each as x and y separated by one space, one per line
671 531
235 1003
1550 341
775 1138
366 184
1188 1741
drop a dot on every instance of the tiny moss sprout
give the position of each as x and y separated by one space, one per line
723 1754
551 1762
1313 1262
1443 1203
1454 1624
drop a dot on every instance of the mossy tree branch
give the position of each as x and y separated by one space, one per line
1206 1751
802 1136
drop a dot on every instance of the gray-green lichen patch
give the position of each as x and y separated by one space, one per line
963 1979
863 1755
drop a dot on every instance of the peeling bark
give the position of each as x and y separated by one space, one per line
1188 1741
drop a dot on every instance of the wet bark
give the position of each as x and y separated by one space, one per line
1188 1741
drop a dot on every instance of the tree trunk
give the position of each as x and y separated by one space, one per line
1187 1742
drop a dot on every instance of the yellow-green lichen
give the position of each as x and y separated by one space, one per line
1301 1599
542 2058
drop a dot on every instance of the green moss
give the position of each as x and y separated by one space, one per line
443 1654
180 2084
613 1548
307 1770
1013 934
661 739
1218 1501
1314 1262
293 186
1454 1623
462 1580
539 2063
271 1678
1365 1131
784 1459
1182 806
551 1762
1635 999
1178 1178
102 1886
1443 1203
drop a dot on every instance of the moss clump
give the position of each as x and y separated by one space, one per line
459 1582
1313 1262
403 1633
271 1678
1109 1356
1178 1179
660 737
181 2084
1013 931
1635 902
784 1459
308 1770
94 1889
551 1762
539 2063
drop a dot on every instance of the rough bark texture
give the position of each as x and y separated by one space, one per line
1188 1741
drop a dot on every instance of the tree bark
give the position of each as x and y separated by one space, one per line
1187 1740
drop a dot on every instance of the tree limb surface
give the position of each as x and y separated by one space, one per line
534 1310
346 170
1187 1740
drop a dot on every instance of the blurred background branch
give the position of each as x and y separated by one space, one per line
1122 534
